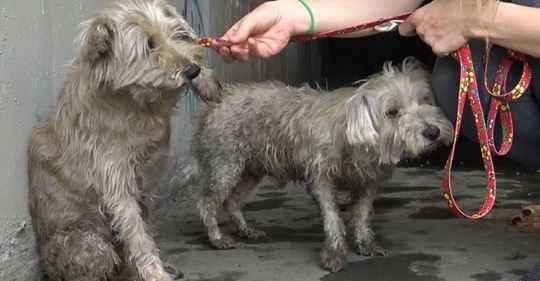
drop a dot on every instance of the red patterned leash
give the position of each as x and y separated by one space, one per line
382 25
468 90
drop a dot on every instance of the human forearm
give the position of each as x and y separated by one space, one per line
514 26
266 31
331 15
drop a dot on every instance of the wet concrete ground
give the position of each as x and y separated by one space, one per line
425 242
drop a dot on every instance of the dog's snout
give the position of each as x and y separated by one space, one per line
431 132
191 71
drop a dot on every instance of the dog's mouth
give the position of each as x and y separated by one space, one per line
425 150
189 73
432 147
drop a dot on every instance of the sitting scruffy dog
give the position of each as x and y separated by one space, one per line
89 162
345 139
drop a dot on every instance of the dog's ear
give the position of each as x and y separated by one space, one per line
170 11
360 123
97 40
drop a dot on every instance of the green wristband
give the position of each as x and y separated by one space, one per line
311 17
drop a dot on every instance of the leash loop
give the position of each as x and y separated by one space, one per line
468 91
500 102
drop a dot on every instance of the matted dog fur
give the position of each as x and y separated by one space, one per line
347 139
89 163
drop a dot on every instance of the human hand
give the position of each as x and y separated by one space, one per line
264 32
446 25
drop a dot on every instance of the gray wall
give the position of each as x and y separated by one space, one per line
35 43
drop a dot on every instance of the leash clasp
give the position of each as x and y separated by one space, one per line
388 26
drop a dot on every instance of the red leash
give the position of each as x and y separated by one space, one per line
468 91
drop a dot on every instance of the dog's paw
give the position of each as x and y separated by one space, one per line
155 272
369 249
333 260
224 243
251 233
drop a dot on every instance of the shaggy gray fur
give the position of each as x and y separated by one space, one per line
345 139
89 164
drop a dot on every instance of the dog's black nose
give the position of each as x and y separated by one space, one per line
191 71
431 132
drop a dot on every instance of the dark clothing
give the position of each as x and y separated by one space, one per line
530 3
525 112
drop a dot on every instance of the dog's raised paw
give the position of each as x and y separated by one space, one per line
333 260
155 272
224 243
370 249
251 233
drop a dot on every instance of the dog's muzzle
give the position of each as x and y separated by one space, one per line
191 71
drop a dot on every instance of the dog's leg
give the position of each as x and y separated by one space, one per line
362 235
223 177
79 254
75 239
234 205
120 194
334 252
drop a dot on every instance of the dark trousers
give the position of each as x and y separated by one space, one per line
525 112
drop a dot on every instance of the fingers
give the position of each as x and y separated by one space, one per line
529 218
531 210
441 43
225 54
240 52
241 31
409 27
258 21
261 48
233 53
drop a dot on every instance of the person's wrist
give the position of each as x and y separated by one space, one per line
479 24
295 15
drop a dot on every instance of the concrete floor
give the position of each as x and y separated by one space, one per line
424 241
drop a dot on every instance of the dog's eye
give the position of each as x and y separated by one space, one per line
151 44
392 112
182 37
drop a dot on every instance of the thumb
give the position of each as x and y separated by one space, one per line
241 31
407 29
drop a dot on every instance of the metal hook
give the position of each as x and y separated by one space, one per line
388 26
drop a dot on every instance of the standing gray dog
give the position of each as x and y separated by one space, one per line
89 163
346 139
